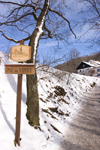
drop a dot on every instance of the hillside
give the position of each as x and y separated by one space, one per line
71 65
60 95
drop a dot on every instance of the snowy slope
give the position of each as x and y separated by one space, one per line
60 96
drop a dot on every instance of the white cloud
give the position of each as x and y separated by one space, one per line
48 44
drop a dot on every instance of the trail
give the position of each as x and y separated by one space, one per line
84 131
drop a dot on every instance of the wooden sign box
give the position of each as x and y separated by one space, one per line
20 53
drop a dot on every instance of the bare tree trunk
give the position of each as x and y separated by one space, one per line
32 89
32 101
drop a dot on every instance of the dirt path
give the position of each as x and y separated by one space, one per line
84 132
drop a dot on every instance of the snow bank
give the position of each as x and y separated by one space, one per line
60 95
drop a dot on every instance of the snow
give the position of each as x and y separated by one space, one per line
60 95
35 45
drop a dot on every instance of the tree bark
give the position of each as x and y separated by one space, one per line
32 101
32 89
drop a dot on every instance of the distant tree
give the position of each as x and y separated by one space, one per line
73 60
34 20
73 53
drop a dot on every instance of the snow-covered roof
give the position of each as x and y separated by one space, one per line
88 63
93 63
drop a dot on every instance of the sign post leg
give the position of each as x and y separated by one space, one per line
18 107
18 110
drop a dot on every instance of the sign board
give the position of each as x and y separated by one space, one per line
20 53
19 69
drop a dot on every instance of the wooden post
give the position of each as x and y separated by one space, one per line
18 110
18 107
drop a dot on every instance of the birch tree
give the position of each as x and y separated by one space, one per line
35 20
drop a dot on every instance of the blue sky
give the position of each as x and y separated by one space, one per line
47 48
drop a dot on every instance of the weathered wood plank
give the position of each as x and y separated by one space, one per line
19 69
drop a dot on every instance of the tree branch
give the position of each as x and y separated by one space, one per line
13 40
18 8
94 5
7 2
35 7
13 3
64 19
22 30
49 32
7 22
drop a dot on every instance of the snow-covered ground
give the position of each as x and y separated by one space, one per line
60 96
